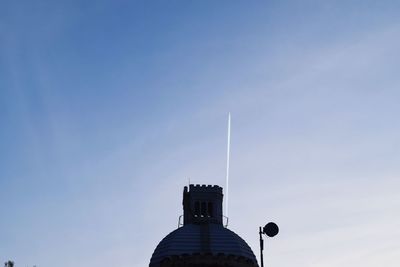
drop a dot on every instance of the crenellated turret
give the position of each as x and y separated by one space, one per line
202 204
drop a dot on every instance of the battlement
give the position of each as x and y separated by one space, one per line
205 188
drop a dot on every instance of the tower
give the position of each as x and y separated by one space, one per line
202 204
202 241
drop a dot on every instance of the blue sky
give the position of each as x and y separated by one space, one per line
108 108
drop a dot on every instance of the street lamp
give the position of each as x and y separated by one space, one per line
271 230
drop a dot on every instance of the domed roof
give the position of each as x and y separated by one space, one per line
192 239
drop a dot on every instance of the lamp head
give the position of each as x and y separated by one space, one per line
271 229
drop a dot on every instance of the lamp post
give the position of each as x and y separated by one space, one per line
271 230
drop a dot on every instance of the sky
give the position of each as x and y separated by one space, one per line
109 108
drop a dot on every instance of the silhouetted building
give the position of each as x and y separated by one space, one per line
202 241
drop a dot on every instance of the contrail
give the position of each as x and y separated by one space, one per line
227 163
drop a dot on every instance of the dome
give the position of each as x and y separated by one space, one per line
202 239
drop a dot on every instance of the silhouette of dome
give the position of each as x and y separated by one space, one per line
202 240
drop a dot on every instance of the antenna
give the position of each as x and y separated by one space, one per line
227 163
